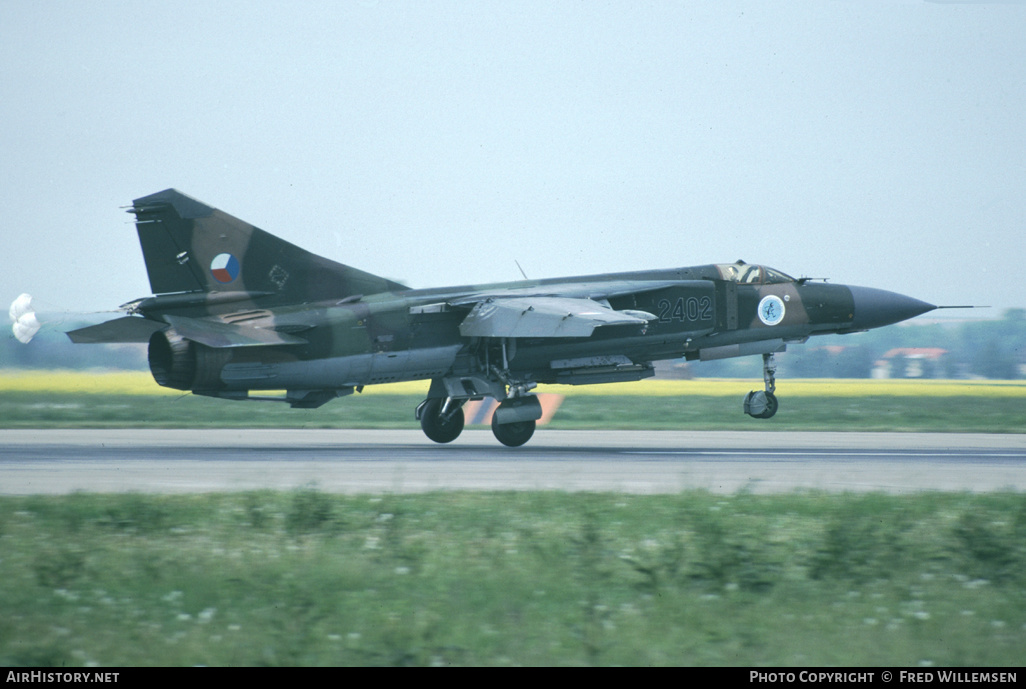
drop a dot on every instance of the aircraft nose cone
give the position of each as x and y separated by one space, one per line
877 307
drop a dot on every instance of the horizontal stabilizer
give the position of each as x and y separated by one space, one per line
126 329
222 335
542 317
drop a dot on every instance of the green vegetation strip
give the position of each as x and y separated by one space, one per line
695 412
307 578
141 383
70 399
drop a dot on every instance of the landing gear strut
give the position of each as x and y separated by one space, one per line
763 404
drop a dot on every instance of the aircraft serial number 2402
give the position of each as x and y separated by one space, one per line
691 309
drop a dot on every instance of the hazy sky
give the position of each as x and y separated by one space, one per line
873 143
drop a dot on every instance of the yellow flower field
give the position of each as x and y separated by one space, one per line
95 382
141 383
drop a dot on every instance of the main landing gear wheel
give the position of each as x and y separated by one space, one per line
438 428
513 434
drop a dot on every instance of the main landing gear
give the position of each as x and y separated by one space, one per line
513 421
762 404
513 434
441 419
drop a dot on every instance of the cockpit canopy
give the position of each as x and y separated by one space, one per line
747 274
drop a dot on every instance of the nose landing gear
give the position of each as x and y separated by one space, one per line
762 404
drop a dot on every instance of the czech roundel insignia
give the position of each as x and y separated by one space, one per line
224 267
771 310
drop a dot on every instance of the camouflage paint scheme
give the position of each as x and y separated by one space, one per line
237 310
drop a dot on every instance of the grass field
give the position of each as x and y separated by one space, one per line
132 399
306 578
528 578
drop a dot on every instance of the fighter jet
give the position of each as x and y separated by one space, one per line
237 311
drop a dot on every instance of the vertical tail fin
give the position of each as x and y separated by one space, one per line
191 247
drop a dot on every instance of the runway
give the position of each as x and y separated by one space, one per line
362 461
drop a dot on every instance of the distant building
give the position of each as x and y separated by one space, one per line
911 362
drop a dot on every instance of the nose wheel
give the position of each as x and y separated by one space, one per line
762 404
